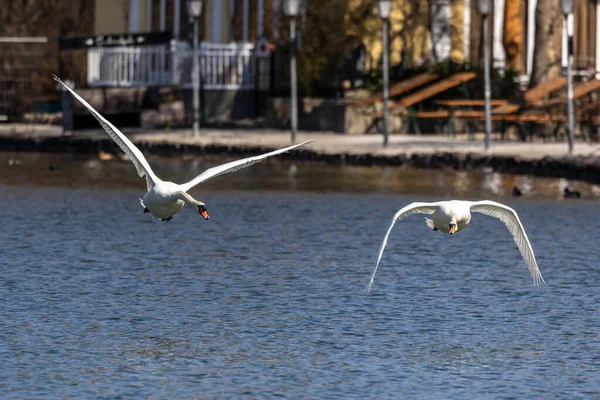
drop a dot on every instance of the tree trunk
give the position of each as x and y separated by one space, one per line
548 41
512 37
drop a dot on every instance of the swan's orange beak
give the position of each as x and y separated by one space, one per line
204 214
452 229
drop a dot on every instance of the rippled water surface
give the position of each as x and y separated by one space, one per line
266 299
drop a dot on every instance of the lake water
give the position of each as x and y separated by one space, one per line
98 300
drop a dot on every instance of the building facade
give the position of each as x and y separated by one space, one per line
218 22
450 30
421 31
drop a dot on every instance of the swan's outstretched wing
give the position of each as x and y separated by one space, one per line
413 208
510 218
234 166
134 154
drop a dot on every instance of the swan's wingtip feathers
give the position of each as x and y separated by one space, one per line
538 280
295 146
57 79
430 223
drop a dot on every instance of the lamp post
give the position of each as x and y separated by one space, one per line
384 9
566 8
291 9
194 9
484 7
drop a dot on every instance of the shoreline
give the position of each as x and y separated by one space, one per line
427 152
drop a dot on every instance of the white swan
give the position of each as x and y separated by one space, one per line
454 216
165 199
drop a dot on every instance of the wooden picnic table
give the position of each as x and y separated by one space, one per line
470 103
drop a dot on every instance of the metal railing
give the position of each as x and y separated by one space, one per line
229 66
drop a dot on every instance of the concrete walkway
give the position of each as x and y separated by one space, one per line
332 143
324 142
425 151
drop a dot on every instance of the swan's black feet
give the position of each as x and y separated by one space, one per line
435 229
166 219
146 210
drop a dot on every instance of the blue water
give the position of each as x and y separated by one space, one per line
98 300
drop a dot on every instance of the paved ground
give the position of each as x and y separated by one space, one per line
331 143
326 142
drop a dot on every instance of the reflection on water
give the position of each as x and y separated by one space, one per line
79 170
98 300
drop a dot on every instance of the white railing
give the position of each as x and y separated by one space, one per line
223 66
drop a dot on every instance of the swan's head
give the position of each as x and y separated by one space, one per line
452 227
201 209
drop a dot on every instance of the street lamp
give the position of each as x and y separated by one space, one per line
566 8
194 9
384 9
291 9
484 7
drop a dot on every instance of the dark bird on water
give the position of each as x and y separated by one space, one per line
516 192
571 194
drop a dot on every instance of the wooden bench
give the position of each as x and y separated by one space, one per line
433 89
501 113
544 89
397 89
506 109
422 114
591 107
588 118
369 107
470 103
507 112
579 90
534 94
401 107
501 107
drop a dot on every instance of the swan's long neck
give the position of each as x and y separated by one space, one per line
181 195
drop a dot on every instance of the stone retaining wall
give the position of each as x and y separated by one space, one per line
584 168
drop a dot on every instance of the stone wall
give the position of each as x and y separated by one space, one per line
317 114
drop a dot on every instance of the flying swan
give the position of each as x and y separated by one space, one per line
454 216
165 199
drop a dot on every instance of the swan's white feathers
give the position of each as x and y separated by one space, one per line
165 199
430 223
235 166
413 208
461 210
510 218
134 154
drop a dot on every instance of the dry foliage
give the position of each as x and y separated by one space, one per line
51 18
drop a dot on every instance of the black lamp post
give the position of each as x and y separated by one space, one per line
194 9
566 8
384 9
291 9
485 7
